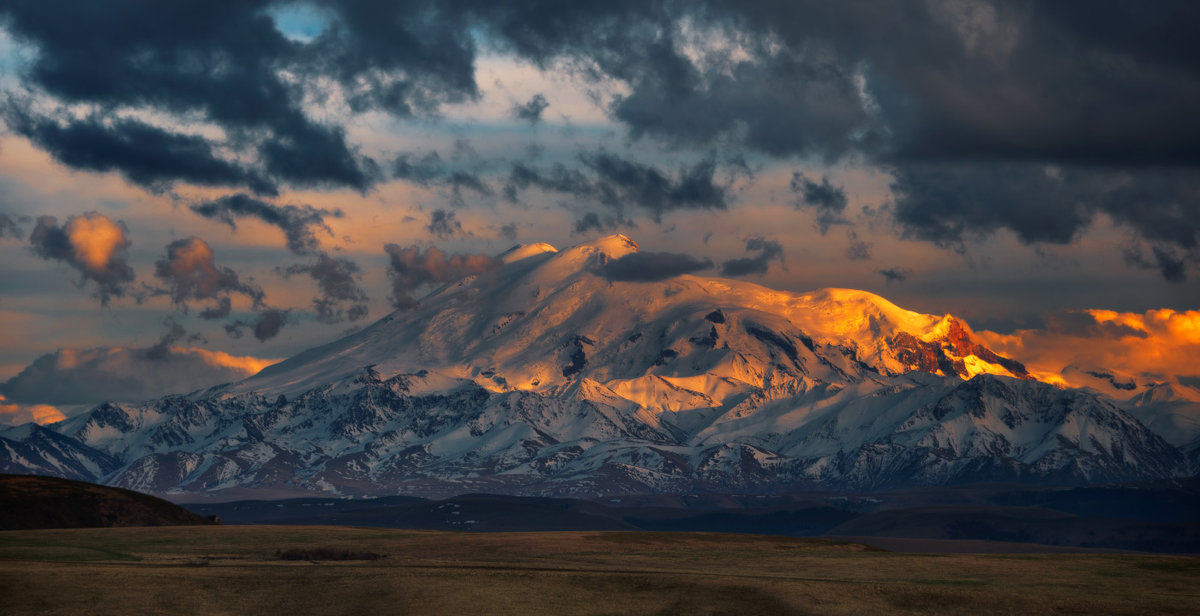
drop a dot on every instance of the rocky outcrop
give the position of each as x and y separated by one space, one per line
945 355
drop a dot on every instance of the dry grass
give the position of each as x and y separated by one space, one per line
236 570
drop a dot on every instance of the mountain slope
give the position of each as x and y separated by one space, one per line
506 324
549 377
28 502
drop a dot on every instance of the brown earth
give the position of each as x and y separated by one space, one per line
29 502
250 569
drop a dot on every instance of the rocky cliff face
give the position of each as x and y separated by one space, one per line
948 354
546 377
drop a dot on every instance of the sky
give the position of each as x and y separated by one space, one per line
190 190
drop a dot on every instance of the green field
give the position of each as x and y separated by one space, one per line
300 570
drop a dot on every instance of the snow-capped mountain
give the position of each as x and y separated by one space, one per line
550 375
1170 408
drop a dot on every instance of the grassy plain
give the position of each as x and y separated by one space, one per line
263 570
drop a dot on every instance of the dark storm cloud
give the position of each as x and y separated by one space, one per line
652 266
857 250
92 244
190 272
939 84
1104 86
1059 93
1169 262
225 62
342 297
531 111
780 100
430 169
588 222
218 311
1068 81
781 104
823 196
557 179
592 221
1161 205
311 156
410 269
444 224
828 200
947 203
407 58
768 252
895 274
299 223
983 80
950 203
620 183
508 231
9 228
49 241
421 170
265 327
269 323
148 156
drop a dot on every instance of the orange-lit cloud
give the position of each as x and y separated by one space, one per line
219 359
410 269
1151 346
95 240
193 258
92 244
190 271
16 414
89 376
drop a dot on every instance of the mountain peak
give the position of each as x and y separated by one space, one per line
524 251
613 246
549 377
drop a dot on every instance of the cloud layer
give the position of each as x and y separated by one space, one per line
1150 346
17 414
300 223
1034 118
1053 147
652 266
94 375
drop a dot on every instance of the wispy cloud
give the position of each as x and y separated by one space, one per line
769 251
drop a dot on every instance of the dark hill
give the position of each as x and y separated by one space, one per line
31 501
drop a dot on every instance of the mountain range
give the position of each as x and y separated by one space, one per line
584 372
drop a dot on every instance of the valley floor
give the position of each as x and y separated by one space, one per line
344 570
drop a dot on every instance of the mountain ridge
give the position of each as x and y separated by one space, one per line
546 376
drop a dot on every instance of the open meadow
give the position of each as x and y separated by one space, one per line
341 570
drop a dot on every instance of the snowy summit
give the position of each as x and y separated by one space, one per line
579 371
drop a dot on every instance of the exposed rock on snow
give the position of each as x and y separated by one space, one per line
543 377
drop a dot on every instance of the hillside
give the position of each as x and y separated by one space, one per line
32 502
